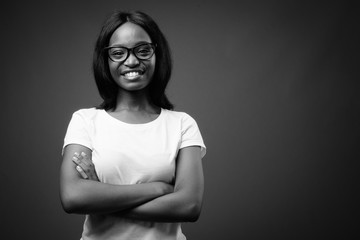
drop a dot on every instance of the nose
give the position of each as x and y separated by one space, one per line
131 60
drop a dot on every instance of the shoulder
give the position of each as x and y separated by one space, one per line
177 115
182 118
190 132
87 113
85 116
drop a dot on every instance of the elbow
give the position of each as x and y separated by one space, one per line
70 202
195 214
190 206
192 212
69 206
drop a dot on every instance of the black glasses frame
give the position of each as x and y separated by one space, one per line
130 50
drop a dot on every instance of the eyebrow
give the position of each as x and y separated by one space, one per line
135 45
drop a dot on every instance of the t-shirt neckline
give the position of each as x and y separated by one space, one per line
135 124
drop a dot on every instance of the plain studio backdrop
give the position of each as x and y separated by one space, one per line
273 85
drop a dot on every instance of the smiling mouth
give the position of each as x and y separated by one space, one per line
132 74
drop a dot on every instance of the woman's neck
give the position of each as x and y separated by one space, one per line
134 101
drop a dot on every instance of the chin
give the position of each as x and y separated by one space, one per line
131 85
134 87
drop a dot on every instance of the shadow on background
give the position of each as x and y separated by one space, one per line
273 86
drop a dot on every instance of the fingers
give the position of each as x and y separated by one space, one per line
81 164
86 159
78 158
85 166
81 171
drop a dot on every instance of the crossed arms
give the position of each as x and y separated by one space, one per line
155 201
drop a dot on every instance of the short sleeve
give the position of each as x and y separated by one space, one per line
78 131
190 134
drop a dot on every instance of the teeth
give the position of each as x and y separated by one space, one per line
132 74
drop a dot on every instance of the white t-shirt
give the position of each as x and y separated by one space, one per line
126 153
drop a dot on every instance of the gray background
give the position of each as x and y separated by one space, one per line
273 86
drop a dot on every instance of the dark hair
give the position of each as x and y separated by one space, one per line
107 87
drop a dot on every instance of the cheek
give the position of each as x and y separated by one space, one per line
113 68
153 65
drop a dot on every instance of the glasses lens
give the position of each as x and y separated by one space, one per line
144 51
117 53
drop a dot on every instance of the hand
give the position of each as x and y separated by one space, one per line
85 166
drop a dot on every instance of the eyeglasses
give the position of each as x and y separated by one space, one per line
120 54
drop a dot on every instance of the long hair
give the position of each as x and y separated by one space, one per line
107 87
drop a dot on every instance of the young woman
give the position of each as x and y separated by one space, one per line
132 165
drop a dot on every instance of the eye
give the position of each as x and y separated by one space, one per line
144 50
117 52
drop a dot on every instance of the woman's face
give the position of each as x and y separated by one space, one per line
132 74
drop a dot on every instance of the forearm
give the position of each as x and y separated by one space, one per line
86 197
90 196
173 207
184 204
